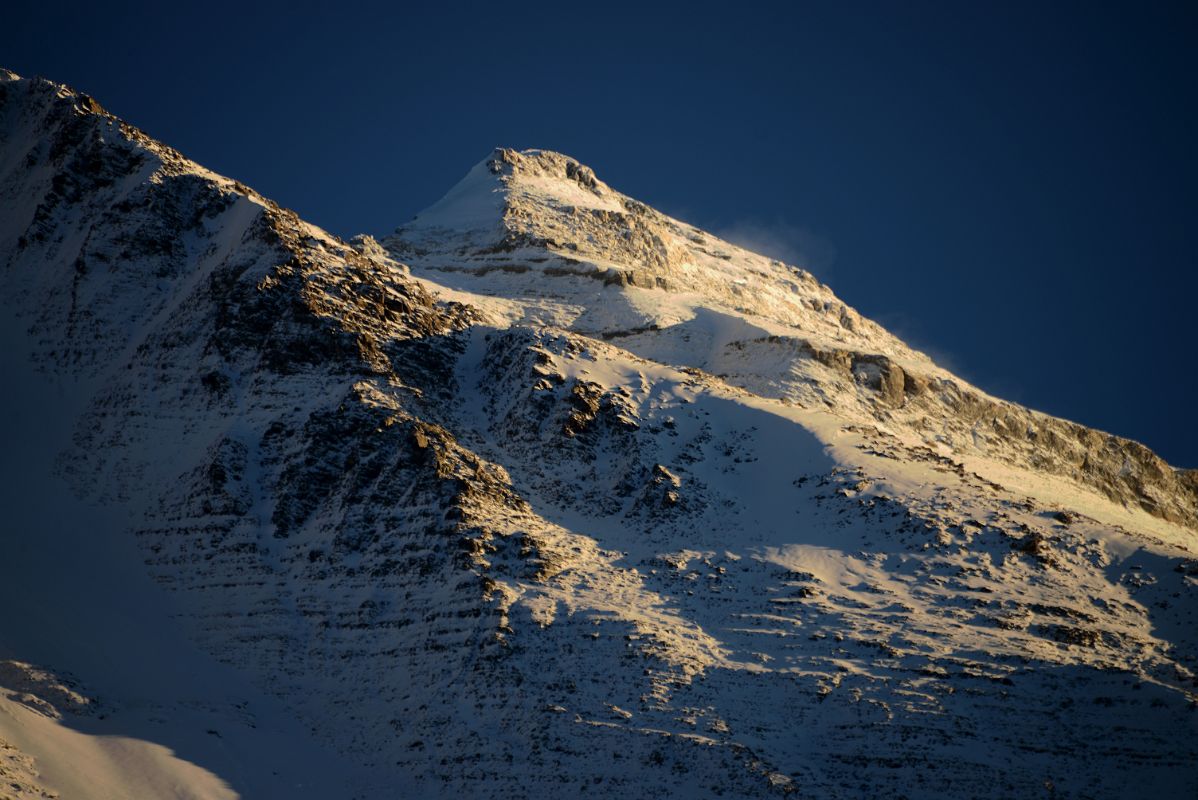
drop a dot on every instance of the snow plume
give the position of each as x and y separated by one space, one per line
785 241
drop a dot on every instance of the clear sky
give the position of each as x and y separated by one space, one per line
1012 187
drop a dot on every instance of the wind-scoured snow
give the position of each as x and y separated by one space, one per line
544 492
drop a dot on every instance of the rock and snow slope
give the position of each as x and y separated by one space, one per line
548 491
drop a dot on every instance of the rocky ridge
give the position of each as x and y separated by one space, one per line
757 323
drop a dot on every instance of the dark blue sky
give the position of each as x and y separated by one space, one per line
1011 187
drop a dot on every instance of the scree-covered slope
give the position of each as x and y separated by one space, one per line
549 492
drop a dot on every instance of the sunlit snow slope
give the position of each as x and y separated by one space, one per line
550 492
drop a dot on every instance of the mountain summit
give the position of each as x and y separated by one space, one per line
545 491
545 214
535 237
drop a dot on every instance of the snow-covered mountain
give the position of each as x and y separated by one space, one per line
544 492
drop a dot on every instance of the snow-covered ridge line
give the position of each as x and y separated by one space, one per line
537 237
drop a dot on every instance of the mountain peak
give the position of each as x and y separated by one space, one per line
637 491
604 263
544 163
510 178
534 238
